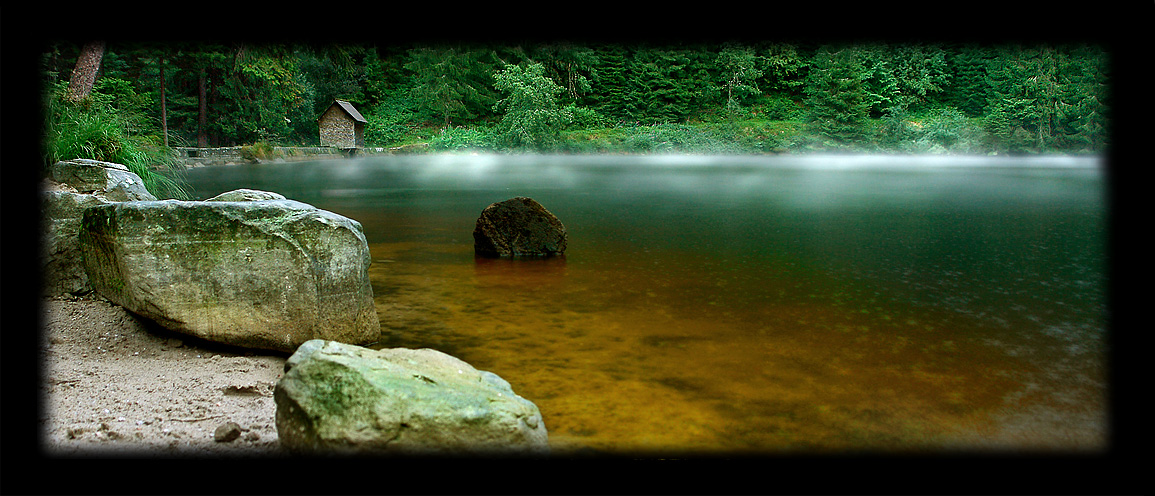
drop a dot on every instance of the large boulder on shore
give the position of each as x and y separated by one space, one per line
268 274
108 180
337 398
518 227
72 186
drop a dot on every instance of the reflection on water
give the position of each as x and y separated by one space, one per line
764 304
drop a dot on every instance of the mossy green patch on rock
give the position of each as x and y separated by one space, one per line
339 397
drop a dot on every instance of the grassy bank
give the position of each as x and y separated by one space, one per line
936 133
95 129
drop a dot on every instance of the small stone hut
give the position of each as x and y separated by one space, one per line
342 126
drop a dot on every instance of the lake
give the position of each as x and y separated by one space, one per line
751 304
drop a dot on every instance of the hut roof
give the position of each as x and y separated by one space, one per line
348 108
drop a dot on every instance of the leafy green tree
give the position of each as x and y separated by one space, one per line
197 71
1029 98
570 66
380 75
334 72
532 116
264 96
739 68
946 129
650 85
392 118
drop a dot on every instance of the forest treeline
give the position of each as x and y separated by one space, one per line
568 97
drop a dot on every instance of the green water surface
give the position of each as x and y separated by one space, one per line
818 304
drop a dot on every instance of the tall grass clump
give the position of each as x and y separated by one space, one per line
683 138
261 150
459 139
94 129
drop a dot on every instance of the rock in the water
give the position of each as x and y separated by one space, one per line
260 274
518 227
74 186
341 398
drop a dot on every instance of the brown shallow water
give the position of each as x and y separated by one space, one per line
649 363
748 308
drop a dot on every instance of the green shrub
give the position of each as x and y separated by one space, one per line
686 138
391 120
585 118
261 150
458 139
776 107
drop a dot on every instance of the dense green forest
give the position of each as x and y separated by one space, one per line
766 97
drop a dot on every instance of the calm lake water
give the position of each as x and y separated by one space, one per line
751 304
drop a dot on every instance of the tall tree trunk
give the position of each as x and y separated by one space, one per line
163 106
202 118
84 74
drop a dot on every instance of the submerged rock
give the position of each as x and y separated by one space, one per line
341 398
266 274
518 227
75 185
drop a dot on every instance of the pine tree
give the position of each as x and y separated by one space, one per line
740 69
783 67
611 94
84 74
922 73
446 82
836 102
1025 109
1084 75
662 95
968 90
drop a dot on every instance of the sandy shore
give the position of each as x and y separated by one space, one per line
114 383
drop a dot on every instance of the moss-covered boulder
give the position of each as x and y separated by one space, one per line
338 398
268 274
518 227
72 186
